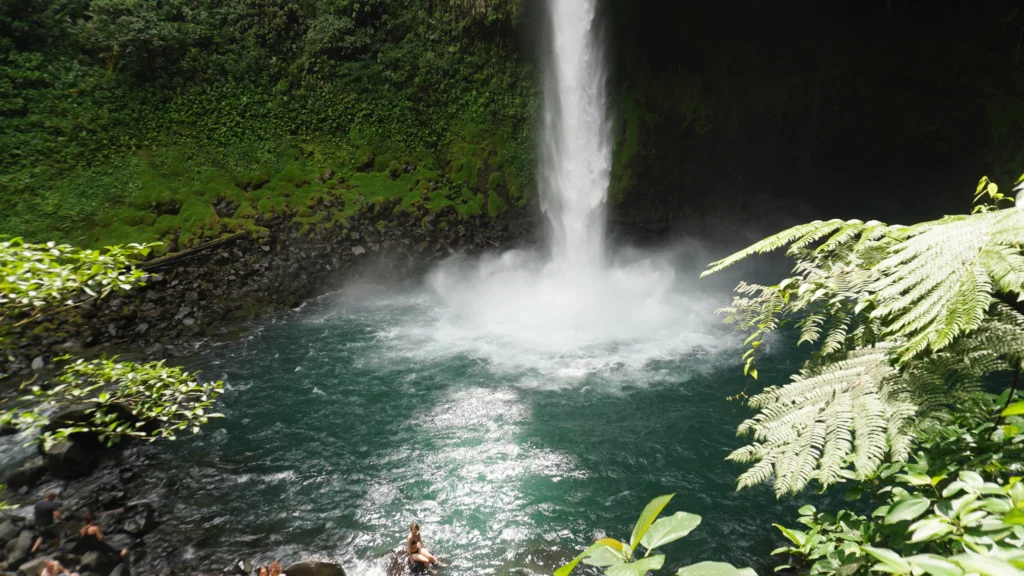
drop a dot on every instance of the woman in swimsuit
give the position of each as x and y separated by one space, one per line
92 539
417 550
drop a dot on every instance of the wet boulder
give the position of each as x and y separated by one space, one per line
18 549
8 531
33 567
27 474
69 460
314 569
139 518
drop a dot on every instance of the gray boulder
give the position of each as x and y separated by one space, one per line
28 473
33 567
314 569
69 460
8 531
18 549
120 541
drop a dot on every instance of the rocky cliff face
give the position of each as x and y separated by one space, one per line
201 294
887 110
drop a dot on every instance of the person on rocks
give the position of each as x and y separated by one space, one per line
418 551
273 570
45 511
53 568
91 539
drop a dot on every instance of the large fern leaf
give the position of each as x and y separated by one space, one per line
814 426
939 283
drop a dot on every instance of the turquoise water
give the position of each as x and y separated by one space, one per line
360 413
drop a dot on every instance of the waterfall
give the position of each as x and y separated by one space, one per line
584 309
576 150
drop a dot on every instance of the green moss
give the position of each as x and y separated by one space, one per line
470 207
495 205
438 200
496 179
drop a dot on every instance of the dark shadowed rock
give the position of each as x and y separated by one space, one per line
99 562
139 519
70 460
121 570
314 569
120 541
28 473
81 413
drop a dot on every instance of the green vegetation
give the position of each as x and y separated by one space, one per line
124 399
127 121
621 559
910 325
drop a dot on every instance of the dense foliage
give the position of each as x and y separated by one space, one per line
910 319
957 505
118 399
124 399
651 532
911 325
125 120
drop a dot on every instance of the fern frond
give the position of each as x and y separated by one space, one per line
938 284
797 234
812 426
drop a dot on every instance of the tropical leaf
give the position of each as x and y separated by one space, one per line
647 517
669 529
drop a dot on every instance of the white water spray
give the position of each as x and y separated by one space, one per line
576 313
576 154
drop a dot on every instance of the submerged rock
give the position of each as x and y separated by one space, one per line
314 569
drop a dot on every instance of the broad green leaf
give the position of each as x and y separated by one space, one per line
647 517
638 568
605 556
985 565
669 529
602 543
1014 517
714 569
929 529
935 565
915 479
1015 409
907 509
795 536
888 558
971 479
806 510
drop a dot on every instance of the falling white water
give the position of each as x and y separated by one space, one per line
576 154
578 311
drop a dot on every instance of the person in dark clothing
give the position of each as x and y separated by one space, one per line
91 539
45 511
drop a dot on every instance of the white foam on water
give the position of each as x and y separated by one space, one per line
569 313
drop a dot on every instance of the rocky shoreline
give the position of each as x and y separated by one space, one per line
204 293
186 299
